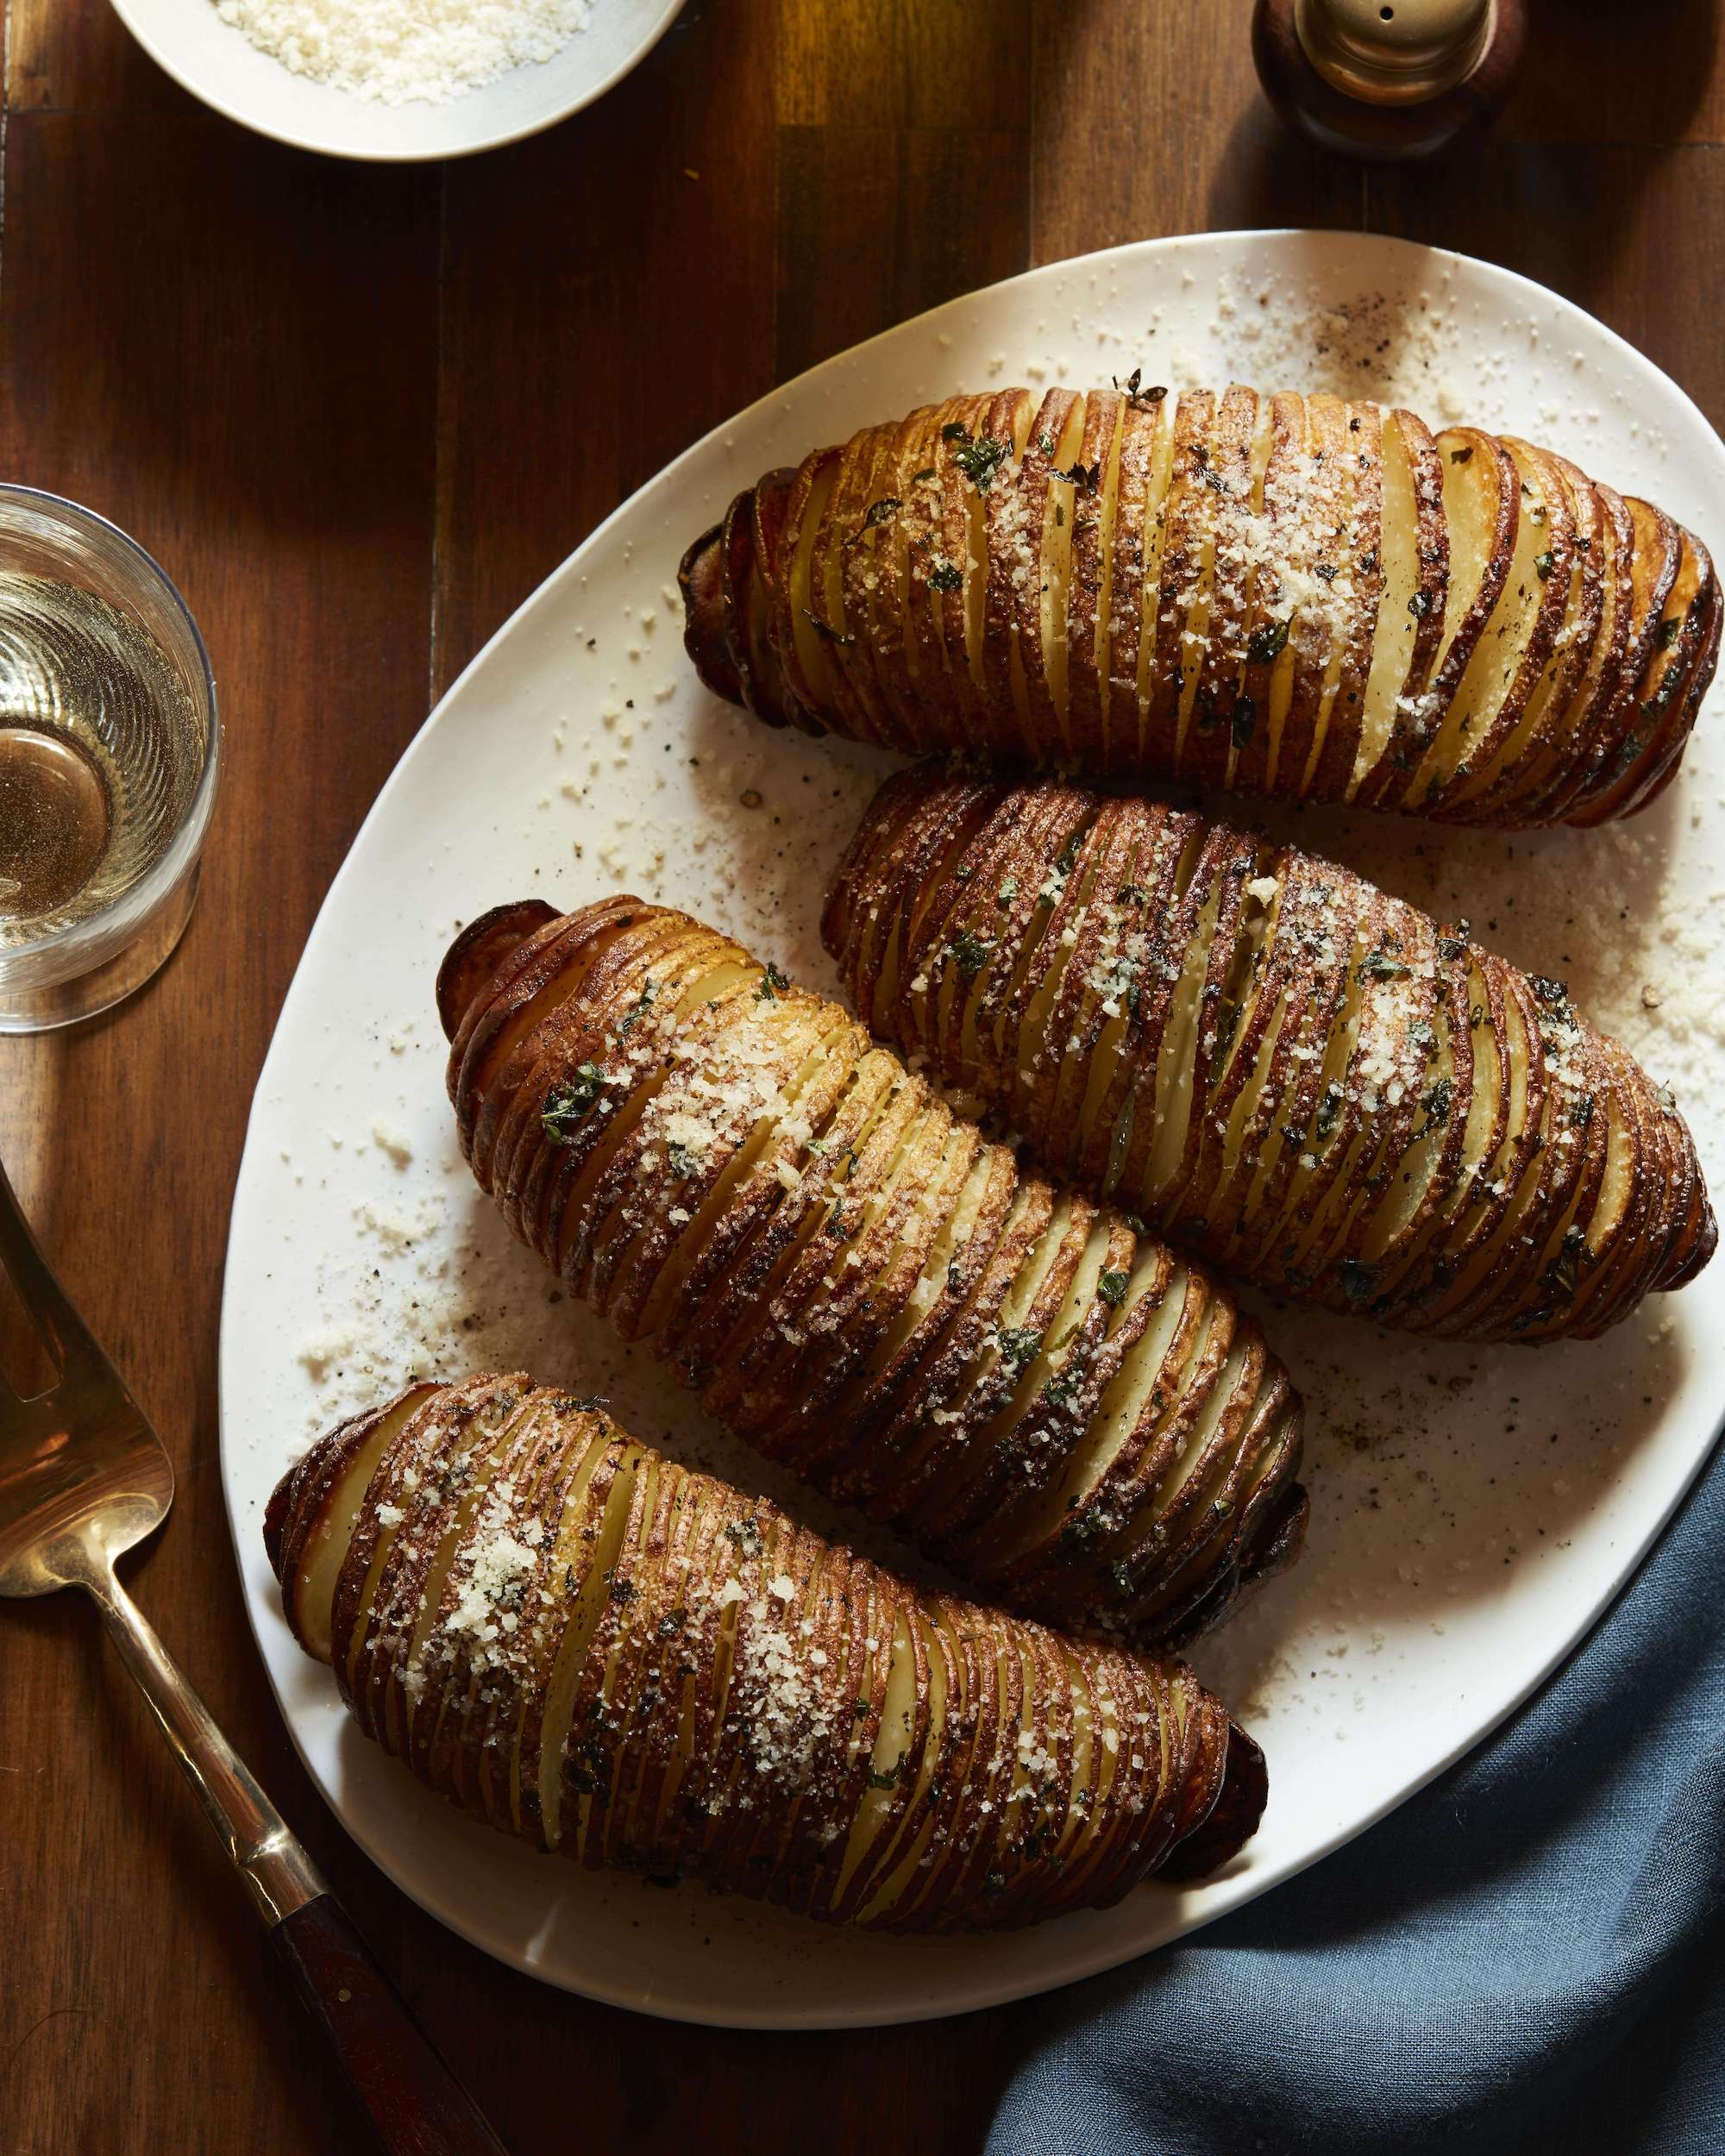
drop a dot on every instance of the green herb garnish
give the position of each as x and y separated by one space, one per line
968 953
1018 1343
567 1105
979 461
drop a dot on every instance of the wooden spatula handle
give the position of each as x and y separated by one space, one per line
415 2103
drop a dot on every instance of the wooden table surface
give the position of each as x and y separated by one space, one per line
358 412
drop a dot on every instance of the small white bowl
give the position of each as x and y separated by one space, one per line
227 71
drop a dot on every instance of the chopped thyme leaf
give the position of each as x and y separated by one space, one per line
1112 1288
927 472
1419 605
979 461
824 630
1670 630
1437 1106
1086 478
682 1159
1243 720
767 989
1378 965
1046 443
888 505
1627 755
955 430
1136 396
969 954
746 1535
567 1105
1018 1343
1007 892
1542 563
1267 643
945 576
638 1010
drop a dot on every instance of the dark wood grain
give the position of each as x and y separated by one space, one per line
359 413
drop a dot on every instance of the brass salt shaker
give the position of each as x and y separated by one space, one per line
1386 78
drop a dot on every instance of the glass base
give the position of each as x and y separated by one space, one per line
64 1003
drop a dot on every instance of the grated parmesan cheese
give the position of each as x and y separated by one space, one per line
401 51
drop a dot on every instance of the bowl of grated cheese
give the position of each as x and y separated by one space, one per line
398 80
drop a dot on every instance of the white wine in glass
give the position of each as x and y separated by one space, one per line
108 756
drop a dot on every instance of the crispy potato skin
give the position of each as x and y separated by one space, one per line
1264 1054
1295 597
1075 1418
590 1647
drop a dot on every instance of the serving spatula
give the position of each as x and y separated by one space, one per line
83 1479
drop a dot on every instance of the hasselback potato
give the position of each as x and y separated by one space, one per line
1075 1418
1265 1055
587 1645
1295 596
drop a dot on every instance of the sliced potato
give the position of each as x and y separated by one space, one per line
1286 595
590 1647
858 1283
1263 1054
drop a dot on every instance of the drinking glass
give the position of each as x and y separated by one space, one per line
71 746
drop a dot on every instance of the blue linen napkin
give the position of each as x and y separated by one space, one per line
1526 1960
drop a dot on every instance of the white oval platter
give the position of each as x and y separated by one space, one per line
1474 1510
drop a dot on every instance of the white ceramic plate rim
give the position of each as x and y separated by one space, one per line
1069 1956
245 113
